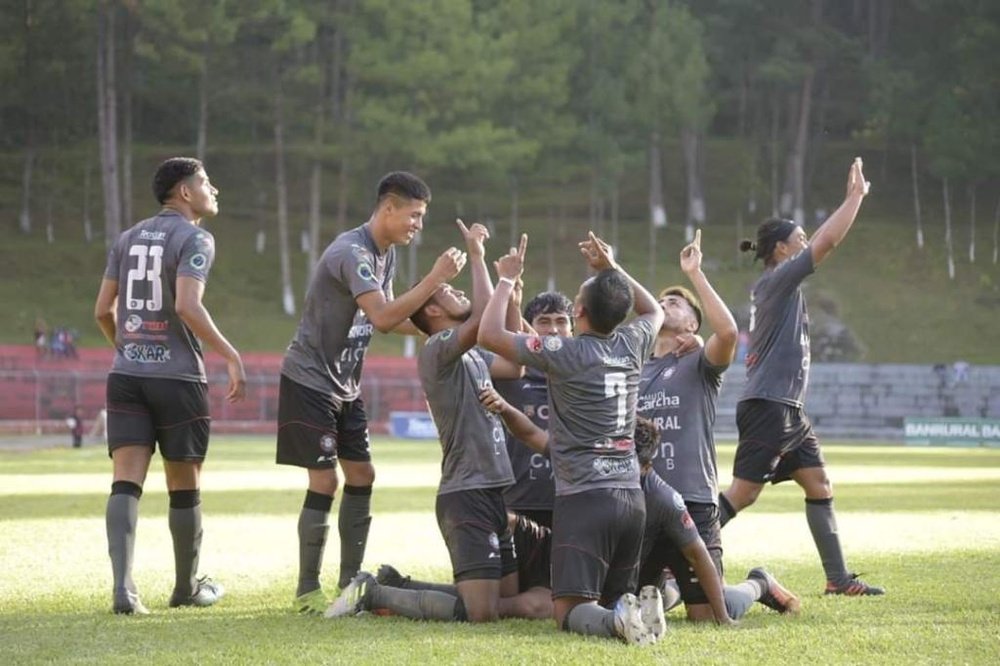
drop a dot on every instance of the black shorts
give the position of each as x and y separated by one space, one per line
596 543
666 553
151 410
474 526
533 546
314 430
775 440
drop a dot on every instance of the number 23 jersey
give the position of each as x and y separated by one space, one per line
146 260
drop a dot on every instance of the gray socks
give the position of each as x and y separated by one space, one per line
590 620
823 525
353 522
424 585
121 517
739 598
184 520
313 530
419 604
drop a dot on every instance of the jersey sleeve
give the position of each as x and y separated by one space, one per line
197 256
711 373
789 274
440 350
113 269
549 353
354 266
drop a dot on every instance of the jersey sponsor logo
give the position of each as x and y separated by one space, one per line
658 400
616 361
612 466
362 253
365 272
533 343
153 235
198 261
668 373
140 353
360 331
135 323
540 412
553 343
686 521
679 502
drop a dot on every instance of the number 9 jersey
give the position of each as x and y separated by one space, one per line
146 260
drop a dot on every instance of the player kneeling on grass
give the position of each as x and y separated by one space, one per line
475 467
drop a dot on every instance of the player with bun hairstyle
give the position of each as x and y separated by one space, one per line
776 438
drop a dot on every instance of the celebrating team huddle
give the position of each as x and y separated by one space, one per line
578 475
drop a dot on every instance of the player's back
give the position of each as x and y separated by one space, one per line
146 260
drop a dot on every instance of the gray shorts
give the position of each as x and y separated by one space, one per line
596 543
775 440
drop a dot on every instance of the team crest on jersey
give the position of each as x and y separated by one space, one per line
679 502
494 541
533 343
198 261
133 323
668 373
365 271
326 443
553 343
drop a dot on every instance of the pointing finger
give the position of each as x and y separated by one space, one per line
523 246
461 226
697 238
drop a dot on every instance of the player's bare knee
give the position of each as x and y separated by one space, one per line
323 481
359 474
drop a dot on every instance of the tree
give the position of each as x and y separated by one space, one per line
107 118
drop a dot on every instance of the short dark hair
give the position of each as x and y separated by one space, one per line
646 438
769 233
547 302
403 184
607 298
171 172
686 294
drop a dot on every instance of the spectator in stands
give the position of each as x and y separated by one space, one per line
75 423
41 337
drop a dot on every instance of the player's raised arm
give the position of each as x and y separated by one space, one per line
482 287
493 334
520 426
600 256
385 315
721 346
829 235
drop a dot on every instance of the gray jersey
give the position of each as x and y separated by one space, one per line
472 439
593 384
667 517
679 395
330 343
534 488
146 260
778 357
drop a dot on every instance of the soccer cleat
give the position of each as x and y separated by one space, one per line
853 587
651 611
355 598
774 595
628 621
311 603
128 604
206 593
388 575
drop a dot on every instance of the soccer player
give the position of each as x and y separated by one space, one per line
678 392
321 417
776 439
150 309
549 313
593 379
475 467
668 529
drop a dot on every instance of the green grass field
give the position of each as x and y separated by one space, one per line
923 522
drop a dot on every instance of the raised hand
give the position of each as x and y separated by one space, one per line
449 264
691 255
475 237
856 183
511 265
597 252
